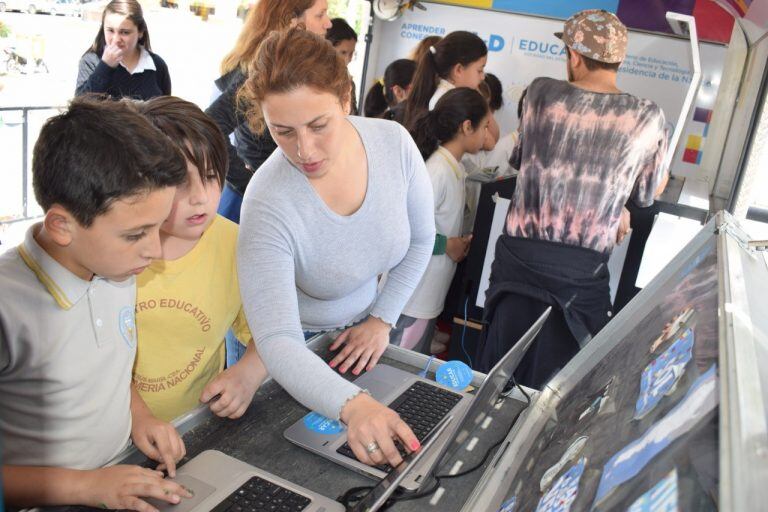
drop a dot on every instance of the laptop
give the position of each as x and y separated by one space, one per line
221 483
421 403
379 495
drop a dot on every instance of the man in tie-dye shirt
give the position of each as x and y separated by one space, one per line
585 149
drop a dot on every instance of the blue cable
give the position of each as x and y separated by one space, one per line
423 373
463 331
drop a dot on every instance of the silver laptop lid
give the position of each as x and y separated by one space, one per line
379 495
494 382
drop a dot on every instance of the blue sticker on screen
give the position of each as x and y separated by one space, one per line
565 490
455 375
322 425
662 497
509 505
660 378
701 398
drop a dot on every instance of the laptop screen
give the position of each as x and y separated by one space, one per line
387 485
495 381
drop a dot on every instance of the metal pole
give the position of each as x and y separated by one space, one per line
368 41
24 163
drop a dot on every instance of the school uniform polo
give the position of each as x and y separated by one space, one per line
67 347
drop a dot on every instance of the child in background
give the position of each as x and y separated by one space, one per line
457 60
189 297
106 179
492 162
387 95
457 125
344 39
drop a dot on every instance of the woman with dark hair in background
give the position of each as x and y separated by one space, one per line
386 96
344 40
458 60
120 62
266 16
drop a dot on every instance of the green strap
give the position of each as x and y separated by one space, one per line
441 242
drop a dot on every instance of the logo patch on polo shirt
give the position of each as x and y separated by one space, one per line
127 323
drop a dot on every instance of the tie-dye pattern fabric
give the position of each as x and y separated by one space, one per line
581 156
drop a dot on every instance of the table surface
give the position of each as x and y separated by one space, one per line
257 438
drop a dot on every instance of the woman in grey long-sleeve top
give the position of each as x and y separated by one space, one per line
341 201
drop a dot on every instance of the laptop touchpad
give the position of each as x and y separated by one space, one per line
200 489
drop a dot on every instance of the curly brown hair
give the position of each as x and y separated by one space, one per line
289 60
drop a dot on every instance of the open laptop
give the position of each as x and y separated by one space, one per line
421 403
221 483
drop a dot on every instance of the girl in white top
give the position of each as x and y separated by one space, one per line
457 125
458 60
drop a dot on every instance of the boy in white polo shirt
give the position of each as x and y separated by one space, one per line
105 178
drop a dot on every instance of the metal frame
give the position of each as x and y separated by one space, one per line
743 415
24 157
685 23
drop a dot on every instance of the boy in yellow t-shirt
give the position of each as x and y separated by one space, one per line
189 298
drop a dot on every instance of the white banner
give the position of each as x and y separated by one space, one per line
522 48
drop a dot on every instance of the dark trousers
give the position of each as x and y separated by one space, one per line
550 351
527 276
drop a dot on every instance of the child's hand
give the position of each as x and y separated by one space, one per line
458 247
120 488
112 55
236 386
158 440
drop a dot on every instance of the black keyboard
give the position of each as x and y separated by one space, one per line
259 495
421 406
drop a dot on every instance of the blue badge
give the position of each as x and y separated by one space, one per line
663 496
509 505
455 375
562 495
322 425
127 325
660 378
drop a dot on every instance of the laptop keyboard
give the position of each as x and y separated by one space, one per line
421 406
259 495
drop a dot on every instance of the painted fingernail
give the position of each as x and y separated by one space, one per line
332 364
415 445
356 372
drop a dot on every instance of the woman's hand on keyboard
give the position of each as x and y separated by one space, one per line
370 422
122 487
363 344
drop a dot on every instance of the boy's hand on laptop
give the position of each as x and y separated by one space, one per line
120 488
371 429
236 386
158 440
365 342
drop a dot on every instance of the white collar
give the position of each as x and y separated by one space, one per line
146 63
456 166
445 84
